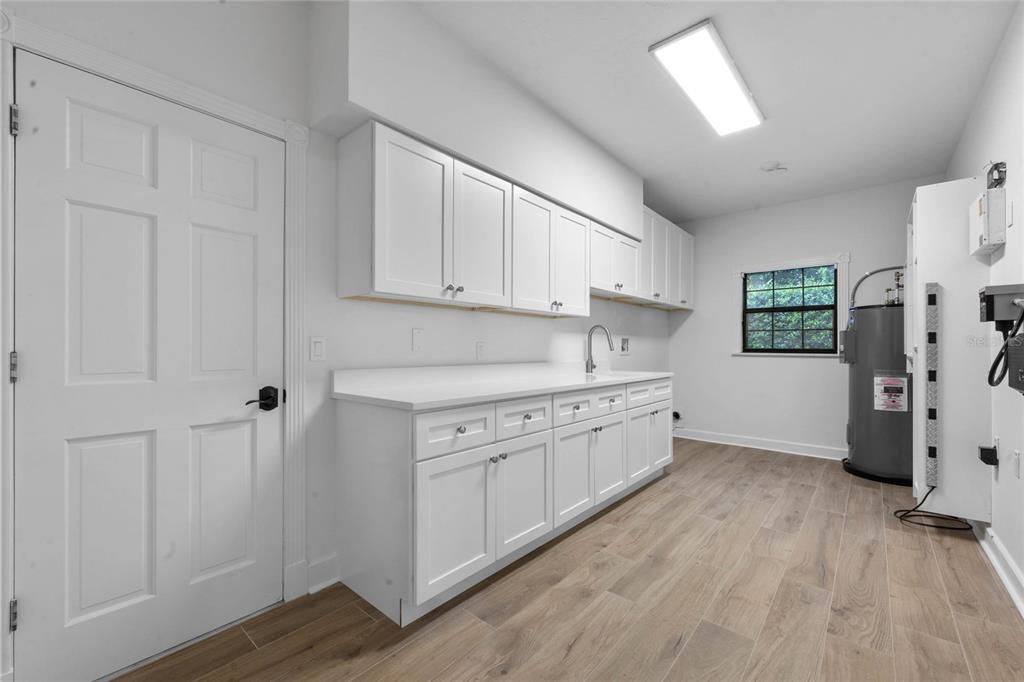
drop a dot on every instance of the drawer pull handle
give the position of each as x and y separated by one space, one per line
611 401
461 429
527 416
450 287
494 460
503 455
576 408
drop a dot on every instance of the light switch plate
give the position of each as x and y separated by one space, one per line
317 348
481 350
417 339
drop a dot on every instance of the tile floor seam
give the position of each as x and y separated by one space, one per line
949 603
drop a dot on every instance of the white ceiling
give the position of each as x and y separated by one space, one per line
854 94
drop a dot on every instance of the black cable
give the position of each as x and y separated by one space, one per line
997 372
906 516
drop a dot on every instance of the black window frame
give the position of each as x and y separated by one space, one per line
834 307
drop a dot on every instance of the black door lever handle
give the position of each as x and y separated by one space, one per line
267 400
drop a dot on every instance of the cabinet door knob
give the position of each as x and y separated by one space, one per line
450 287
611 401
575 408
527 416
494 460
657 295
460 289
461 429
503 455
600 428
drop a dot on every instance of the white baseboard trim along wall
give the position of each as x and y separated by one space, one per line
323 572
1007 570
808 449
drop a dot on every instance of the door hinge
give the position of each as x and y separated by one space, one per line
13 117
14 366
12 614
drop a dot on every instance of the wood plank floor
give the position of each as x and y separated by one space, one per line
738 565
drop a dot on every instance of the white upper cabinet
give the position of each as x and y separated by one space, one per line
550 257
533 227
646 253
685 271
614 262
571 263
412 216
626 264
482 238
659 259
602 253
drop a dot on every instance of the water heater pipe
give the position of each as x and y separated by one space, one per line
853 294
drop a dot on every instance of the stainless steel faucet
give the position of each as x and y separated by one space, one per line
590 346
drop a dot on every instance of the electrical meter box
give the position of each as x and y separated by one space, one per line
988 222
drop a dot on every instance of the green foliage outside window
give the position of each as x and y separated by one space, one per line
790 311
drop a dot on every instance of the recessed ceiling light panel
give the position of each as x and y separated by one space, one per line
698 61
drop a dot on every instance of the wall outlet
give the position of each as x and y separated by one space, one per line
481 350
317 348
624 345
417 339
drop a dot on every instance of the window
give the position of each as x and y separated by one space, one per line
790 311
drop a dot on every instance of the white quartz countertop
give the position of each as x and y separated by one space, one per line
431 388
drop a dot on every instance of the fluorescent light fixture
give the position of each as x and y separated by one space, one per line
698 61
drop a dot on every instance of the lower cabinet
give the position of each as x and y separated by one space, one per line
574 490
455 510
649 439
608 445
525 506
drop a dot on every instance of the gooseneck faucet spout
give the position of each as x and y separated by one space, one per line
590 345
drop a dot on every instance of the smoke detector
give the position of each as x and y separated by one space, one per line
773 167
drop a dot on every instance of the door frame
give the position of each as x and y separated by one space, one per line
19 34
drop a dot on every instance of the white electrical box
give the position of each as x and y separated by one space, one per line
988 222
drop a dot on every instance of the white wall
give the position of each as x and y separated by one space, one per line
405 69
794 403
249 52
994 133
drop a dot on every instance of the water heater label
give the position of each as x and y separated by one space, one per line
890 393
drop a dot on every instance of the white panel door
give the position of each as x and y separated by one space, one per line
533 224
609 452
638 446
602 252
412 217
525 504
661 434
149 306
574 479
571 249
646 254
482 238
626 264
685 288
659 259
455 504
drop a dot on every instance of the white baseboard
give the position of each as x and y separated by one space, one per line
1006 568
807 449
323 572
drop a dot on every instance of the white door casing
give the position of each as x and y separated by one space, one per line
482 238
150 307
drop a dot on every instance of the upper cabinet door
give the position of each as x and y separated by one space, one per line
571 256
659 260
685 298
626 264
673 264
602 249
482 238
533 225
412 217
646 254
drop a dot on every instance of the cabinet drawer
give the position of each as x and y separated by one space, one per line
648 392
520 417
610 399
439 433
571 408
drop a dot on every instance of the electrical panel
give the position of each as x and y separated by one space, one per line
988 222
